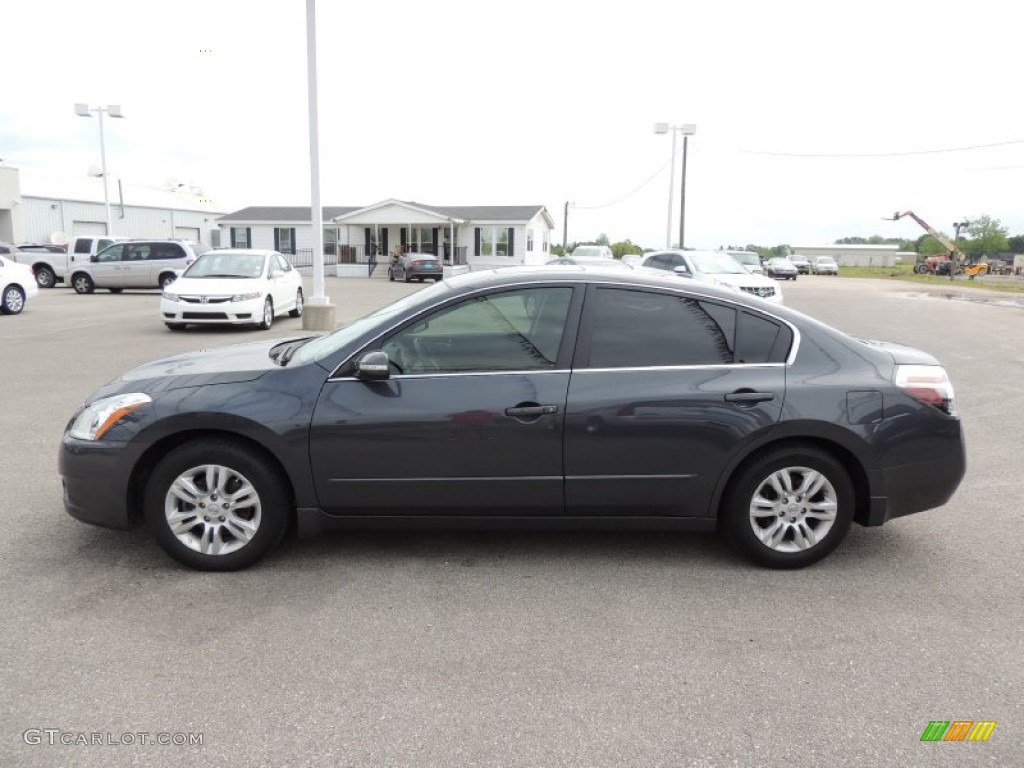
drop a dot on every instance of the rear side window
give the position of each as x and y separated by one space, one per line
166 251
760 340
636 329
83 245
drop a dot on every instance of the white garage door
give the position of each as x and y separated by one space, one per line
186 233
89 228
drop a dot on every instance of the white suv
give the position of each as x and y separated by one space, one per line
718 268
136 264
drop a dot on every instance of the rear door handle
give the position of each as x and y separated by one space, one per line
748 397
531 411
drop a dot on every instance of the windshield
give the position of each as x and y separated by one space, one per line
589 252
826 260
750 259
323 346
714 264
234 265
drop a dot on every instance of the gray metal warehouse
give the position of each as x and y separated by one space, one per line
42 208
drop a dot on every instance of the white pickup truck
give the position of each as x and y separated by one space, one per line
51 268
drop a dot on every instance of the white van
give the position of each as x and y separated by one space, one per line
52 267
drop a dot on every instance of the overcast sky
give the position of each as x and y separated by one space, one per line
467 103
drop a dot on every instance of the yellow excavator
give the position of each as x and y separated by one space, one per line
953 259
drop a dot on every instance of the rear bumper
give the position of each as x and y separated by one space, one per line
916 487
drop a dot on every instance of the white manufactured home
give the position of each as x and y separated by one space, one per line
357 240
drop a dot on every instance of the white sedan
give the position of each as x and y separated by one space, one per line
241 287
17 283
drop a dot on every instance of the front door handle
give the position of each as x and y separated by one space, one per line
530 411
749 397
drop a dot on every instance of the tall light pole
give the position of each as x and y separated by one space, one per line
687 130
114 110
321 314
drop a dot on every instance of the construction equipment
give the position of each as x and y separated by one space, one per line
953 259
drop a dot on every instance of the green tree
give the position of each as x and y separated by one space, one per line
987 236
625 248
602 239
556 250
1015 244
929 246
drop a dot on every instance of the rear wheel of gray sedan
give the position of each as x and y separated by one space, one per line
297 312
216 506
789 507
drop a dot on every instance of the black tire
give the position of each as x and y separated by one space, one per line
166 279
45 277
115 290
438 279
13 300
176 326
407 277
752 481
82 283
299 304
268 316
270 515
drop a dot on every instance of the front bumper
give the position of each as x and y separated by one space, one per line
236 312
95 477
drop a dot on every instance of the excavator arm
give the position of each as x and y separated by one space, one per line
950 248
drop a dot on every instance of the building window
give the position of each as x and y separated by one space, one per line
529 239
547 245
495 241
215 238
241 237
330 241
284 239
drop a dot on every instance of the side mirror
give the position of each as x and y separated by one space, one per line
373 366
94 258
682 271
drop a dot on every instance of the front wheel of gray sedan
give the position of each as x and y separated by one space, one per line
216 506
789 507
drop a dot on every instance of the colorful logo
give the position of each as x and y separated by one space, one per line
958 730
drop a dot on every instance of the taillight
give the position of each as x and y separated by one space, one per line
927 384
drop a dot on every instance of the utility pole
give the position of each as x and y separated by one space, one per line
953 264
565 227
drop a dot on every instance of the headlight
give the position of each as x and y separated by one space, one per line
93 422
246 296
170 296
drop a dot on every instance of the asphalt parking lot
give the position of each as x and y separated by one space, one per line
451 649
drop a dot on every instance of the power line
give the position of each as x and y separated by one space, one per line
651 178
884 154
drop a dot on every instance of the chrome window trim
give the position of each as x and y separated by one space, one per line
685 292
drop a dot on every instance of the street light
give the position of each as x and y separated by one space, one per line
688 130
114 110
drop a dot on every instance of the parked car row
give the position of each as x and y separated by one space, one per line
785 267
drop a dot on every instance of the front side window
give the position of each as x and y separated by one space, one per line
637 329
166 251
113 253
517 330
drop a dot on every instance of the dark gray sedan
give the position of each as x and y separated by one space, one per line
571 397
415 266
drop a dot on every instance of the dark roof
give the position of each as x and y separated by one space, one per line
470 212
283 213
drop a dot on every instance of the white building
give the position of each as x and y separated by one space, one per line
857 255
358 239
43 208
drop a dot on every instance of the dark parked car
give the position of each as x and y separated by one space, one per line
779 266
419 266
582 397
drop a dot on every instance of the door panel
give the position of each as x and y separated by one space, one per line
440 445
653 442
